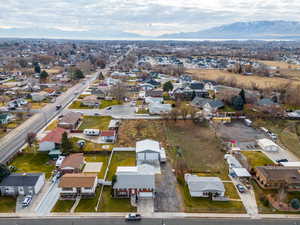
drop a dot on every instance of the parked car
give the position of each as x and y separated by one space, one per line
133 217
281 160
272 135
26 200
241 188
108 108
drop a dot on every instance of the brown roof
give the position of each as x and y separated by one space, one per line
54 136
108 133
70 118
278 173
70 180
74 161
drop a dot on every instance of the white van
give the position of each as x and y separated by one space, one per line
91 132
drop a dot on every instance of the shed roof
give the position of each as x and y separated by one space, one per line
147 145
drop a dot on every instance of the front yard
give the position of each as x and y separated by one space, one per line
7 204
33 163
256 159
95 122
120 159
63 206
88 205
109 204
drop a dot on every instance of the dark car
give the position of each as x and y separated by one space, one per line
58 107
108 108
241 188
281 160
133 217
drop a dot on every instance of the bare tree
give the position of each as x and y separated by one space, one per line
30 138
118 91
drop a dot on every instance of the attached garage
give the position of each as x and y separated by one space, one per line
146 194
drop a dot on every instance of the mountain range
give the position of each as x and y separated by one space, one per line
241 30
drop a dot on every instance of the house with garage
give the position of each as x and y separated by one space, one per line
52 140
148 151
39 96
90 101
205 187
22 184
70 120
108 136
135 182
80 184
5 118
73 163
213 105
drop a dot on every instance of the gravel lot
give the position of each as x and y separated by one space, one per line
168 198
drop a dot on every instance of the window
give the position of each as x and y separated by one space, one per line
67 189
88 189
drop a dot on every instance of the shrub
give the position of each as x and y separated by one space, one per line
295 203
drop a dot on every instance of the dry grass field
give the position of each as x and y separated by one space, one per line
280 65
242 81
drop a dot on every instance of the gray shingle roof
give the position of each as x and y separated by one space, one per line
198 184
21 179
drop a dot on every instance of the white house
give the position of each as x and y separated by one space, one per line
268 145
78 184
148 151
22 184
204 186
158 109
52 140
39 96
138 181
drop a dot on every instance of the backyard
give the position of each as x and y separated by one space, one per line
120 159
109 204
95 122
256 158
98 158
89 145
33 163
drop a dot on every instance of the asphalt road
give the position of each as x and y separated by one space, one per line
12 142
120 221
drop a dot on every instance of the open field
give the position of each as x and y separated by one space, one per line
63 206
98 158
88 205
95 122
7 204
33 163
135 130
120 159
242 81
281 65
198 146
256 159
204 205
109 204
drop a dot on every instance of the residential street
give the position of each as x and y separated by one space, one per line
12 142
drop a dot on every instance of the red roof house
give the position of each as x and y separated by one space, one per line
52 140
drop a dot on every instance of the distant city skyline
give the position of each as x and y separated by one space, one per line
144 17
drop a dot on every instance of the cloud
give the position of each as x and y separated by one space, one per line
149 17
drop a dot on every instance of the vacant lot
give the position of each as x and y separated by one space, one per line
135 130
33 163
242 81
198 146
120 159
109 204
204 205
98 158
256 159
63 206
95 122
7 204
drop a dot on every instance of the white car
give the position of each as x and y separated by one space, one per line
26 200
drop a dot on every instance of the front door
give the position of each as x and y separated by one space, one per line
21 190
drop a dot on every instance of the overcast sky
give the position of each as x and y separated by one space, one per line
148 17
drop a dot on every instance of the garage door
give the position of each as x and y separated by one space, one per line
145 194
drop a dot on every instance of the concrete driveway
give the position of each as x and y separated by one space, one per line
145 206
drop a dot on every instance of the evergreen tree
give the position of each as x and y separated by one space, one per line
237 103
37 68
168 86
242 94
4 171
44 75
66 144
78 74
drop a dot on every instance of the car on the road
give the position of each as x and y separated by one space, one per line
108 108
58 107
241 188
272 135
133 217
96 114
281 160
26 201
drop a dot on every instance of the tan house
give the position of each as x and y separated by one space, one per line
70 120
91 101
80 184
275 177
73 163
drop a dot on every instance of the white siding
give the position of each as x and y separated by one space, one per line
46 146
39 184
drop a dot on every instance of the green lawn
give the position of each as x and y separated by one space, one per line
33 163
256 158
107 103
98 158
120 159
231 191
77 105
90 146
204 205
7 204
52 125
95 122
109 204
142 111
63 206
88 205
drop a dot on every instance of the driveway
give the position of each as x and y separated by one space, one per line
167 198
145 206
